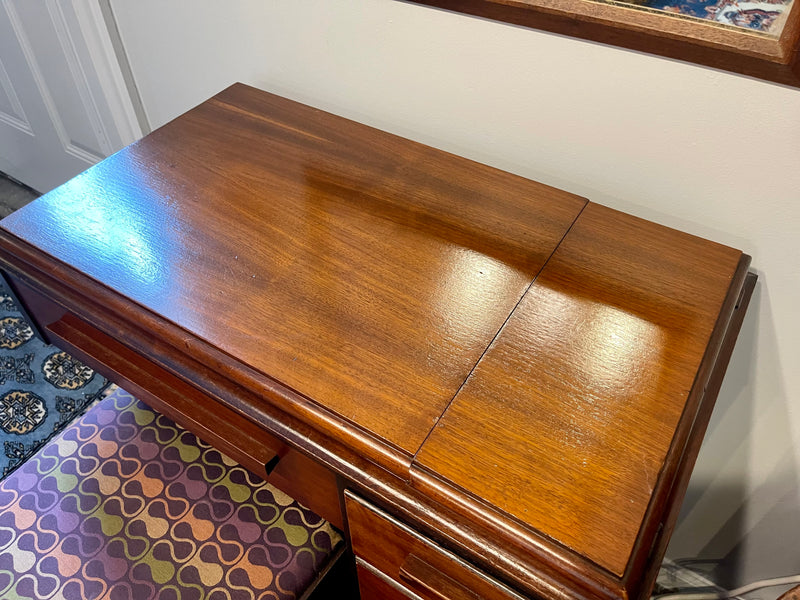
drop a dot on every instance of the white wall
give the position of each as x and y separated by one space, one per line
697 149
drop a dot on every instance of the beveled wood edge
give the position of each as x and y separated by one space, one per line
239 438
691 426
487 548
790 36
68 334
647 545
361 563
349 496
774 59
680 485
575 569
484 543
361 472
193 360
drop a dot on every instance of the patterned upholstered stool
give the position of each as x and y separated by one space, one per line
126 504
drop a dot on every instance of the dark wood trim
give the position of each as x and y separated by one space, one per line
654 32
657 525
699 426
420 575
432 512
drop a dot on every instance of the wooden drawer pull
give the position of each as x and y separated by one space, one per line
234 435
423 577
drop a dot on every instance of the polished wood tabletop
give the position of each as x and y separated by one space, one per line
365 273
519 374
587 383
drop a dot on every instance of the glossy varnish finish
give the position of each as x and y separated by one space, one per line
566 422
520 378
413 562
374 585
244 441
363 271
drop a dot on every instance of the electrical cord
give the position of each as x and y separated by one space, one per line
722 595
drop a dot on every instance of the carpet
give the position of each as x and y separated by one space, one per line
42 389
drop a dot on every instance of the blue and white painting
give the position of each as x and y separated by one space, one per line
762 15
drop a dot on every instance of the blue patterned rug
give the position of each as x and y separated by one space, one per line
42 389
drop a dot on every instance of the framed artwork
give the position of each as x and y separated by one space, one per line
752 37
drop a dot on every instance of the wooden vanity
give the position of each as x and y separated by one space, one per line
495 388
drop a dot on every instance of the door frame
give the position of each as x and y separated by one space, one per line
107 59
84 39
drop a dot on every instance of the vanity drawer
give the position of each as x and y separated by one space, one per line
256 449
396 560
372 584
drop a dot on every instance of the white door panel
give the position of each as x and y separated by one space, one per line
11 110
56 115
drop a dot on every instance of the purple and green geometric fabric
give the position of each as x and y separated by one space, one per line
125 504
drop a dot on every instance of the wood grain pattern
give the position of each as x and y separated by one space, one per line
413 561
643 570
253 395
774 58
567 420
311 484
436 585
374 585
361 270
244 441
383 269
541 570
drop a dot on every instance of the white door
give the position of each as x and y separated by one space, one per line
63 102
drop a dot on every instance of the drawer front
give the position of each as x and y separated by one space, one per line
375 585
415 566
241 439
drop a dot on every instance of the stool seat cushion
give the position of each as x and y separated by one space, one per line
125 504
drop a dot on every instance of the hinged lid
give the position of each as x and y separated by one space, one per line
362 270
566 422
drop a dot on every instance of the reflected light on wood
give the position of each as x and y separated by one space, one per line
121 228
471 284
609 343
515 372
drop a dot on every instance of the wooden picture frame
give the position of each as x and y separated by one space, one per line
773 57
